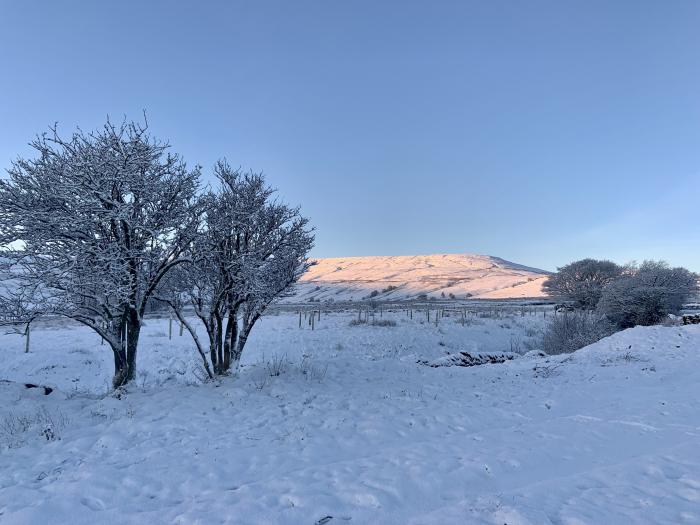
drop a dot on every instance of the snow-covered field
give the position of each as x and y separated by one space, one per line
341 425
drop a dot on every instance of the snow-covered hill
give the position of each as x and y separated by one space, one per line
458 276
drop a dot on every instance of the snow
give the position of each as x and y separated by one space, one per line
341 425
407 277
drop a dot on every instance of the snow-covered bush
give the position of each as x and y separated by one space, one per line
250 249
90 226
98 226
647 294
582 282
567 332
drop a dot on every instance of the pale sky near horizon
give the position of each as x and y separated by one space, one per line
540 131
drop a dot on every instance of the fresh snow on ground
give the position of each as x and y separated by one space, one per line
341 425
407 277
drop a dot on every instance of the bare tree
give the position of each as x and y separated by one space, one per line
582 281
92 224
647 294
250 250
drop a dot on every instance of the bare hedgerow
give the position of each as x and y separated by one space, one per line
569 331
378 322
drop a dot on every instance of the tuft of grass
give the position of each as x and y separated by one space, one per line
277 365
15 427
312 371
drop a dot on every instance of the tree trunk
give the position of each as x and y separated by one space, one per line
193 333
211 333
218 331
132 341
240 344
230 337
213 356
120 361
125 354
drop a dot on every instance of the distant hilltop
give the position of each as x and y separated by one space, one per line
442 276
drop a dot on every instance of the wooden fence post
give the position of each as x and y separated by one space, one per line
26 343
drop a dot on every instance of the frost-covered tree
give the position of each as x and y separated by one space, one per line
249 251
647 294
582 281
92 224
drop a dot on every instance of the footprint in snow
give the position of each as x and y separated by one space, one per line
93 503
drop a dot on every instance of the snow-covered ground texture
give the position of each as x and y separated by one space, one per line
408 277
341 425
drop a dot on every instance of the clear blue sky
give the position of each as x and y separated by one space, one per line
540 132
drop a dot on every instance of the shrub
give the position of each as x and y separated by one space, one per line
647 294
380 322
582 281
569 331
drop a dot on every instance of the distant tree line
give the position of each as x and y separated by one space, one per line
628 295
97 226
